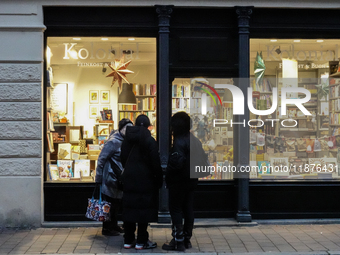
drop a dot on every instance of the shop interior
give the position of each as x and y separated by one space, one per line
88 75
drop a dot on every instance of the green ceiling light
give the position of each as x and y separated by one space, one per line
127 96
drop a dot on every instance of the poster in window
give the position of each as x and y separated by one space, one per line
105 96
93 111
59 97
94 97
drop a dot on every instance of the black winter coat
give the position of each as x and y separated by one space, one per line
142 175
178 170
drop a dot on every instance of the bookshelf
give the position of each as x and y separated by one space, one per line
146 96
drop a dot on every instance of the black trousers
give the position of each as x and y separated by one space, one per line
115 206
142 233
181 206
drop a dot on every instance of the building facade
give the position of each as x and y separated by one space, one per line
179 44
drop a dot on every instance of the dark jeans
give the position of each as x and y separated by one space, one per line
115 206
129 230
181 205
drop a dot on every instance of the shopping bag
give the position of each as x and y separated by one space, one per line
98 209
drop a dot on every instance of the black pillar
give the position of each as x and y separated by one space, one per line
241 142
164 102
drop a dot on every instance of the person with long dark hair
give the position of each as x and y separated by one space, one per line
181 186
142 179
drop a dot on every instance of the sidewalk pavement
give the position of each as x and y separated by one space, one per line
210 237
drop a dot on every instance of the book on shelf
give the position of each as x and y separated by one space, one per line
264 86
64 151
50 143
180 90
50 125
81 168
144 89
53 172
65 168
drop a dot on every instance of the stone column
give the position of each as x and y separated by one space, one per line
21 61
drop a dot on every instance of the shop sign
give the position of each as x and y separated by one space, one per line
300 55
99 53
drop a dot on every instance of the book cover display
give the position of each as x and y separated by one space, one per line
65 168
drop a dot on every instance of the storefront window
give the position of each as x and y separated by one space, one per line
90 82
294 141
205 102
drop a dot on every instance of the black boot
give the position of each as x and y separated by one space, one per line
187 231
177 242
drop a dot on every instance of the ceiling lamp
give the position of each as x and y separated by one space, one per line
127 96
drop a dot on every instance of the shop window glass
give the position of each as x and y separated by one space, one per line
205 102
293 142
84 99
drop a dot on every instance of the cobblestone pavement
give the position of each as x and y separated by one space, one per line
259 239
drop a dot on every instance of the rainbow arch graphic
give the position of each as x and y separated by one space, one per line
208 92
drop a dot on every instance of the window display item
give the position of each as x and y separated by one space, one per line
317 145
263 167
337 139
310 145
270 144
81 168
82 146
301 144
332 142
253 136
290 144
324 144
65 169
64 151
53 172
260 139
98 209
279 145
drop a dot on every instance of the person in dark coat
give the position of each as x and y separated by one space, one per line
179 182
141 179
109 163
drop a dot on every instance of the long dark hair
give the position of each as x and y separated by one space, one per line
180 123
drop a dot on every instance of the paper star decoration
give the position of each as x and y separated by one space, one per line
119 71
259 68
323 89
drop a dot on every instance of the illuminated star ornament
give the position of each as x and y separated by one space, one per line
119 71
259 68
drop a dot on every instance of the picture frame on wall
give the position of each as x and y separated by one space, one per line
105 96
93 111
94 97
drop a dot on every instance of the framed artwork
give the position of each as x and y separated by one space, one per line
105 107
93 111
105 96
94 97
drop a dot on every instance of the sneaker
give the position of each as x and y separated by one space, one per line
147 245
107 232
128 245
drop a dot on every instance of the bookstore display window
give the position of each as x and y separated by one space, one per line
86 78
204 102
292 144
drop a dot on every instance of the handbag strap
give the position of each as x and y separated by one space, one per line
100 193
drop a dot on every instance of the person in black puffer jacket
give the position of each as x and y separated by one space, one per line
142 179
181 186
